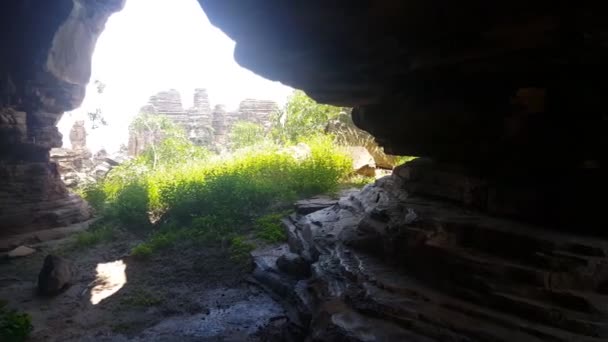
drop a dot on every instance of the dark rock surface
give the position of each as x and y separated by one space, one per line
45 65
395 265
55 275
468 82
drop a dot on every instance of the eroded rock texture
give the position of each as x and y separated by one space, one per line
413 266
44 68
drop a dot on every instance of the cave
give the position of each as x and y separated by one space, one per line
496 233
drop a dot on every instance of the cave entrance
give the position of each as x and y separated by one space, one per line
188 163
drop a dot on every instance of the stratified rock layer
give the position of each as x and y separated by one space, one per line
203 126
45 64
406 266
257 111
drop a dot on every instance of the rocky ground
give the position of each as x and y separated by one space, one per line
186 295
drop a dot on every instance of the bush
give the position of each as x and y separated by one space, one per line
130 206
270 228
14 326
94 194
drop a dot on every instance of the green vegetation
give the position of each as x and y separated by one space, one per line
302 118
244 134
269 228
176 193
14 326
359 181
98 233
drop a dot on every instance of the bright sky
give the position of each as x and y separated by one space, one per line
154 45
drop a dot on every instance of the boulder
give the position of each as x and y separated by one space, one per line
363 161
55 275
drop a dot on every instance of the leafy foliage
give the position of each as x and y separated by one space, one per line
269 227
168 143
302 118
210 200
244 134
14 326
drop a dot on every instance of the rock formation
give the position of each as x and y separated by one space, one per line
45 64
203 126
73 163
403 260
77 165
257 111
501 238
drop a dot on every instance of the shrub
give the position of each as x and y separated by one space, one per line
240 249
14 326
270 228
94 194
130 206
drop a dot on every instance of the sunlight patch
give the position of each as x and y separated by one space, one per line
111 277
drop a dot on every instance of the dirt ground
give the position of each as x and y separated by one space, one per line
189 294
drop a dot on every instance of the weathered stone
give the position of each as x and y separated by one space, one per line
21 251
44 69
203 126
438 272
55 275
294 265
257 111
78 136
310 205
363 161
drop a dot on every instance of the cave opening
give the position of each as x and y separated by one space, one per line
496 233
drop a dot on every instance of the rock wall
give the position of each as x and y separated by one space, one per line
403 265
45 65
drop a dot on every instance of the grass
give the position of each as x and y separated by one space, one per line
96 234
15 326
211 201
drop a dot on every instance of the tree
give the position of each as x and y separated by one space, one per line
96 116
302 117
166 142
245 133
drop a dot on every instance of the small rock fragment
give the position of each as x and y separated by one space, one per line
21 251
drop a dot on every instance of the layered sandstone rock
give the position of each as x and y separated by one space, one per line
203 126
77 165
403 261
257 111
44 68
